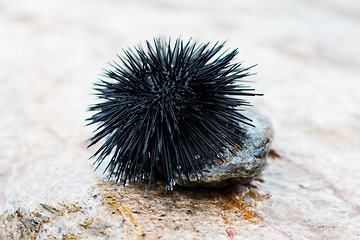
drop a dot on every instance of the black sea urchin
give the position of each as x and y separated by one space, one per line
170 108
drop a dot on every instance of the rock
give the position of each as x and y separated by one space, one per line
249 162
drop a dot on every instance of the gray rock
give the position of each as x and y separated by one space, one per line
249 162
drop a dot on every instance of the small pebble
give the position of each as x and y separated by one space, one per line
249 162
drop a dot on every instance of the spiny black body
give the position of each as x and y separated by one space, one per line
168 108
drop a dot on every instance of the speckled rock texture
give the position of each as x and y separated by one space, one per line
250 159
308 68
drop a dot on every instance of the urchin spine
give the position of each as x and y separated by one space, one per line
168 108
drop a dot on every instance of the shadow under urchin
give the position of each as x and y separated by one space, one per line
169 108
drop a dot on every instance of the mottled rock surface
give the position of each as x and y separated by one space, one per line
250 159
308 68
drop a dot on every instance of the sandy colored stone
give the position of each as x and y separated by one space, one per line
308 68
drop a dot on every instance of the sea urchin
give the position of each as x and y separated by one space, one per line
170 108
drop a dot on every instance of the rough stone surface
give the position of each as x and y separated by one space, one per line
250 159
308 68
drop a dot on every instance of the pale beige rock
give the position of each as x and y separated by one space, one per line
308 56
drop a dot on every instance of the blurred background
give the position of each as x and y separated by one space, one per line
308 56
